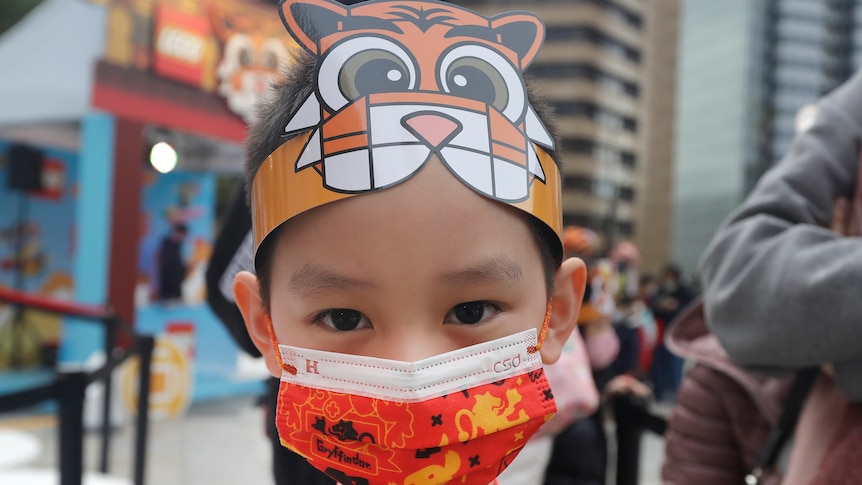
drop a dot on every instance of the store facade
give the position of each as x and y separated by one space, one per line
98 224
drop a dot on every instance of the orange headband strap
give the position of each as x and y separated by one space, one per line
280 192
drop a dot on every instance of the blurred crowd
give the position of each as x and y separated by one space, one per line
626 314
619 348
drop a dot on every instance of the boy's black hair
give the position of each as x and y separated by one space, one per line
265 135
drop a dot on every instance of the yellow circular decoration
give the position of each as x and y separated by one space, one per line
170 381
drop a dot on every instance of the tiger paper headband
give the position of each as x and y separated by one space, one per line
398 81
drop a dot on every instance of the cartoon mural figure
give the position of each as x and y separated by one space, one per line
28 258
194 286
31 337
174 251
253 58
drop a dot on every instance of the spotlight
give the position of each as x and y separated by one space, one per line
163 157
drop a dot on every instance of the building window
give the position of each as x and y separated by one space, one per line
632 18
606 155
572 71
601 115
581 219
625 228
600 152
594 36
600 188
578 183
577 145
627 193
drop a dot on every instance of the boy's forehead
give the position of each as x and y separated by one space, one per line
431 222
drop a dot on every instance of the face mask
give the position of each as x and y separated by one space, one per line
458 417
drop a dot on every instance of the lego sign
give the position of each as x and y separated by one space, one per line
236 48
180 43
176 44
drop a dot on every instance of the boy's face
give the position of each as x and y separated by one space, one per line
413 271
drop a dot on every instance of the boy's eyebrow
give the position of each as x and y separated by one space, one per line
311 279
495 268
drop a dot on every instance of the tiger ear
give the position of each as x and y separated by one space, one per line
522 32
308 21
222 24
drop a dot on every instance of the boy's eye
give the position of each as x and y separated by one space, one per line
343 319
472 312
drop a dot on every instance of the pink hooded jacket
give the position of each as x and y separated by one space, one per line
723 414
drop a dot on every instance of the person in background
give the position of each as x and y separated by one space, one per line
781 290
648 330
672 296
171 267
580 451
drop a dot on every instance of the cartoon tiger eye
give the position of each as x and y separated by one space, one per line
373 71
476 72
271 60
477 79
361 66
245 57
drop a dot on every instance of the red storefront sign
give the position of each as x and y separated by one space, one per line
180 44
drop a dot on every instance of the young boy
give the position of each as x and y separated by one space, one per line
407 226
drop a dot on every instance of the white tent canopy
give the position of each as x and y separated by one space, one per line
47 65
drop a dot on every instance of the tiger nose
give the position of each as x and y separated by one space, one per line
435 129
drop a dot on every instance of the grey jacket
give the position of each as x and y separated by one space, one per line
781 290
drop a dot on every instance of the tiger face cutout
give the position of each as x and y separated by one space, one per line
398 82
255 55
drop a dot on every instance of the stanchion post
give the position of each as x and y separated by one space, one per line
110 345
629 413
71 388
145 345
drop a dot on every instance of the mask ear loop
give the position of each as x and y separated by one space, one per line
285 367
543 332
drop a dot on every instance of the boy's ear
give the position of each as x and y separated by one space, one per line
570 281
246 292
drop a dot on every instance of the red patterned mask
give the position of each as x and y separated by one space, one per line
459 417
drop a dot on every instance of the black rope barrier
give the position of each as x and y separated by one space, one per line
145 346
27 397
632 417
69 388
